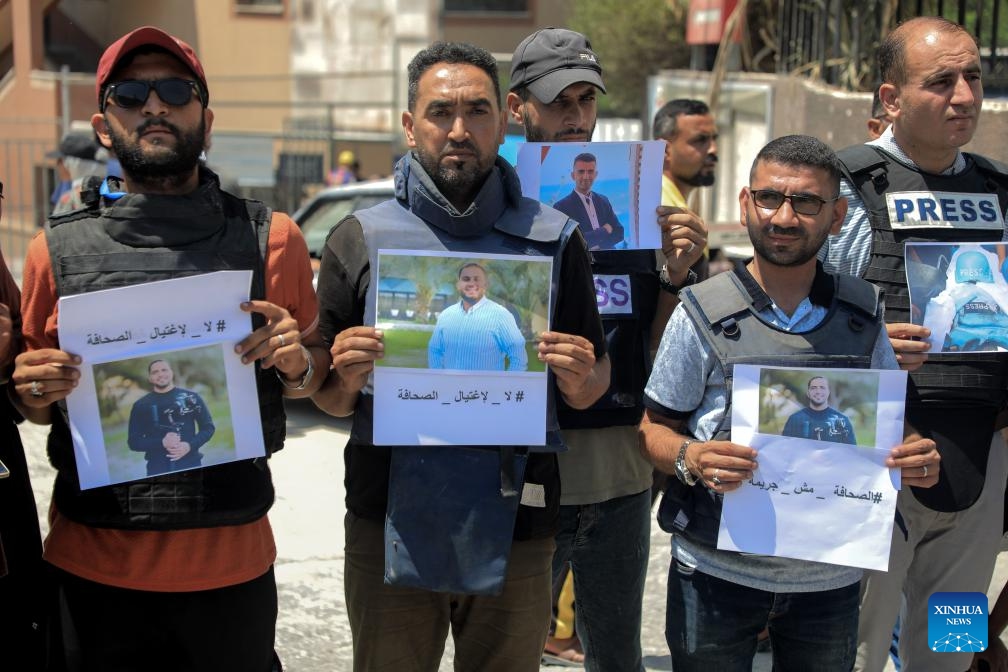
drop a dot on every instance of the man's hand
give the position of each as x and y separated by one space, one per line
170 440
917 459
580 378
910 341
44 376
683 239
354 352
722 465
608 228
276 343
179 450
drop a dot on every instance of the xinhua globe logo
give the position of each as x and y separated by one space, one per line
957 622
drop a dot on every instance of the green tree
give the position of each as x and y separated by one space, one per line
633 39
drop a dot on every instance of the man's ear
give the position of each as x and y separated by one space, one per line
208 117
839 212
407 124
100 127
515 107
889 97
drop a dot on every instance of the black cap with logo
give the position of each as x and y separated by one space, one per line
551 59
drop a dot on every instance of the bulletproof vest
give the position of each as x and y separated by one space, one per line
974 201
626 291
478 488
144 238
722 311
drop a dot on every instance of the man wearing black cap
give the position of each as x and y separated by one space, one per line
605 500
76 158
173 572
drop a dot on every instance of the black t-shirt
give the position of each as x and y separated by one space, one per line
343 284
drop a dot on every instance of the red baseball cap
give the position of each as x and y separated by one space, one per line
147 36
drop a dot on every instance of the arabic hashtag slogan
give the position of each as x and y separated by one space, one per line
460 364
822 491
161 388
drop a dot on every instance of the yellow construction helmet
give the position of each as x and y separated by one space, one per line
346 158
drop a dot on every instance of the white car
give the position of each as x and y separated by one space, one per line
326 208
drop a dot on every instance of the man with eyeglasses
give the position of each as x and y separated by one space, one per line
914 183
177 567
780 308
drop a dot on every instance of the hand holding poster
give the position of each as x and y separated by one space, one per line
822 491
959 291
161 388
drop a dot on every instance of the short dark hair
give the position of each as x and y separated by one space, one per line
450 52
816 378
585 157
800 150
151 365
891 53
664 125
472 263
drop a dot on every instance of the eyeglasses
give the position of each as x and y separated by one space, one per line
803 204
132 93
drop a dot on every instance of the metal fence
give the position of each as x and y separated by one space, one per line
835 40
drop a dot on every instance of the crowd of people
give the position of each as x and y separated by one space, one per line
491 543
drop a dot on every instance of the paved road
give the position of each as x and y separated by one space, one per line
312 632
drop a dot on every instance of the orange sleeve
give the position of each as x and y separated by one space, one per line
38 297
289 273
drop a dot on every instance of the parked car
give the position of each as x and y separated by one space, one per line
326 208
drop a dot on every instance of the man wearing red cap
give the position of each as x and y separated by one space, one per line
172 572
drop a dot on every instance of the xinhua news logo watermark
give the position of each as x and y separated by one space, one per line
957 622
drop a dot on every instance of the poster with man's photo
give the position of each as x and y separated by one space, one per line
960 292
822 490
161 388
460 362
611 189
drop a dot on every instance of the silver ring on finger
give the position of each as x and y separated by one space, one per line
281 337
692 246
714 479
36 389
924 475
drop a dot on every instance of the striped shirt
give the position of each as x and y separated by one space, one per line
484 338
848 251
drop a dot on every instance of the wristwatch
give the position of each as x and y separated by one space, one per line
665 282
305 379
683 473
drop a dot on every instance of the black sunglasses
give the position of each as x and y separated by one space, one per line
803 204
132 93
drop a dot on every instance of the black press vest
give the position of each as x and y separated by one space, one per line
952 399
722 311
626 288
144 238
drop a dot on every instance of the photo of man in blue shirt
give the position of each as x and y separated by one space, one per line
476 334
818 421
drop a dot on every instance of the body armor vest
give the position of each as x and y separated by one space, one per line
722 311
973 383
144 238
476 517
626 289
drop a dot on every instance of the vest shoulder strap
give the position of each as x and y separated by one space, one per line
716 300
859 294
863 163
991 167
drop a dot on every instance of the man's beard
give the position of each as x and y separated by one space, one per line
796 256
165 166
464 179
536 134
701 179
